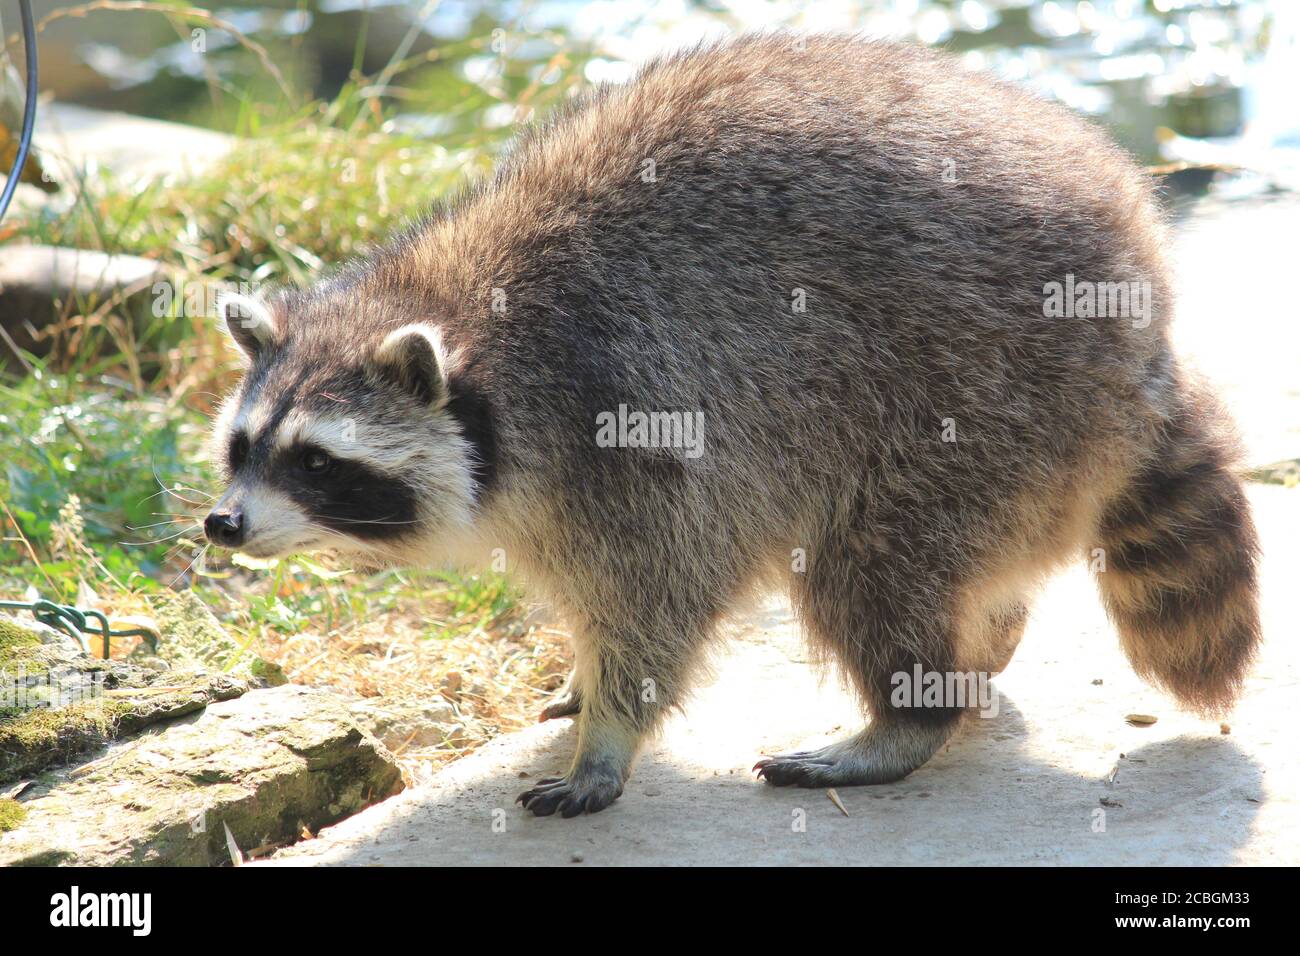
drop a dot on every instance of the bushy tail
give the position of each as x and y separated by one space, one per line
1180 557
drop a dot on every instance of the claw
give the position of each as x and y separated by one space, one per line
570 798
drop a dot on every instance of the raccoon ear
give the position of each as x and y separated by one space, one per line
248 321
413 357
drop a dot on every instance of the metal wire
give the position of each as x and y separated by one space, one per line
29 108
74 622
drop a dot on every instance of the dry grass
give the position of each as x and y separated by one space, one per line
497 678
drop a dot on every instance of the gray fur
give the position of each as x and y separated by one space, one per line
837 252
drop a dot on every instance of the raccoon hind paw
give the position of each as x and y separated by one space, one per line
568 705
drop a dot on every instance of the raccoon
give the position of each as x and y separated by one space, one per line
839 258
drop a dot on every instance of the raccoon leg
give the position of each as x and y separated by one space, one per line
609 734
595 780
629 679
887 750
1006 628
882 617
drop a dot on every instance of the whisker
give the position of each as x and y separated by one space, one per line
175 519
153 541
189 501
174 551
189 567
172 491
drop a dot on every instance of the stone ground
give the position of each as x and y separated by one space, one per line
1037 783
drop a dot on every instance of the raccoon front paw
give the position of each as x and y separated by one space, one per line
570 797
567 705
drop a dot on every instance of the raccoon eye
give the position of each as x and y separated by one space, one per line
316 462
238 452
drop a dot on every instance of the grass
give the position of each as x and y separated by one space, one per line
12 813
103 474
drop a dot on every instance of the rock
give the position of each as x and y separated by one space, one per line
57 703
265 766
35 282
408 725
72 139
60 272
191 635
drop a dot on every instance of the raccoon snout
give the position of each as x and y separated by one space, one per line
225 528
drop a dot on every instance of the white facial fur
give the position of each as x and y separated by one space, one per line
275 525
435 461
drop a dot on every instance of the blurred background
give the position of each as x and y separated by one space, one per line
180 147
1205 82
1199 68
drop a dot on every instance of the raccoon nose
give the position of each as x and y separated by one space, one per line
225 528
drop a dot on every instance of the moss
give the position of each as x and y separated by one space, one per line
14 637
41 728
192 635
12 813
33 697
264 670
42 738
29 666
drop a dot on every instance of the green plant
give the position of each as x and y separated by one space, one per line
102 477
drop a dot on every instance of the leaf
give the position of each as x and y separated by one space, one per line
236 857
319 570
254 564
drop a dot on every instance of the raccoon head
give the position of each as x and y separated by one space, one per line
342 435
